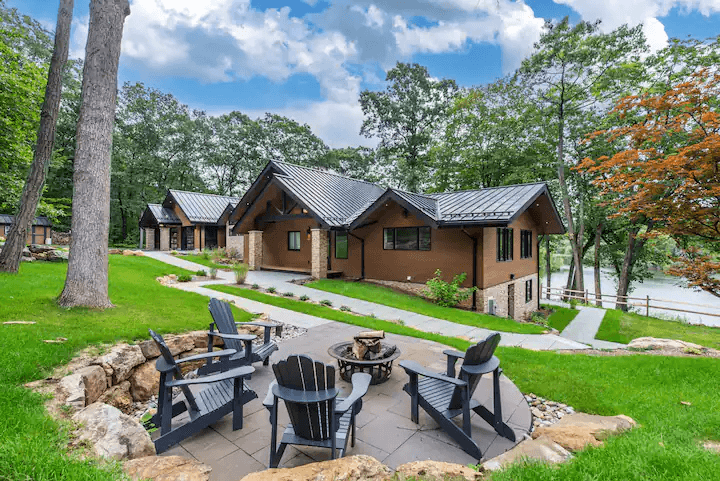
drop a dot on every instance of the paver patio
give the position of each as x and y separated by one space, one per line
384 428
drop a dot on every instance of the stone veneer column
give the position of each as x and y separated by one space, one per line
318 253
149 239
164 238
255 249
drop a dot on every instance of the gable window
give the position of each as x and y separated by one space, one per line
406 238
528 290
294 240
504 244
341 245
525 244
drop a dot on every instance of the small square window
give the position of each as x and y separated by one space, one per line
294 240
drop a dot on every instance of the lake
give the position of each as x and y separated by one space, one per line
658 287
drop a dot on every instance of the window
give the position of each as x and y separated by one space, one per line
294 240
504 244
525 244
528 290
7 229
406 238
341 245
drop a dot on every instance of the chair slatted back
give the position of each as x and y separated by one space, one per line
480 353
225 322
299 372
177 373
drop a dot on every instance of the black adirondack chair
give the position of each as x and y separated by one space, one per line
247 353
317 416
444 396
225 392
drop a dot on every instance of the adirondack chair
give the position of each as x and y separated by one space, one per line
317 416
444 396
226 326
225 392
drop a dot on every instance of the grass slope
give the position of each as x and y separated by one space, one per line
560 316
619 326
389 297
31 444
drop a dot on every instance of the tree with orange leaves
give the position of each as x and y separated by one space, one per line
669 172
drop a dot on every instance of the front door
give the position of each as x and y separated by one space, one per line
211 237
511 300
156 239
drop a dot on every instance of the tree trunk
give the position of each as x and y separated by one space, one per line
596 265
12 250
634 246
547 263
86 283
570 280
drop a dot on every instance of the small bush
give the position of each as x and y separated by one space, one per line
201 272
240 271
289 294
271 289
304 298
573 303
213 273
325 302
447 294
184 278
255 286
174 253
205 254
345 308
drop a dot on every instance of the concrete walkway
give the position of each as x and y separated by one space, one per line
282 281
585 326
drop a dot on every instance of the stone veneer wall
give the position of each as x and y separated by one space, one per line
318 253
500 294
149 239
255 249
164 239
234 242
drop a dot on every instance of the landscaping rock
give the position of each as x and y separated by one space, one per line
129 252
27 259
177 344
74 388
113 434
115 251
438 470
575 431
95 382
167 468
40 248
119 396
26 252
349 468
200 339
56 256
144 382
713 446
121 360
541 449
654 343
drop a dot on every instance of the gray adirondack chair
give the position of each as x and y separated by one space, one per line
444 396
224 393
247 353
317 416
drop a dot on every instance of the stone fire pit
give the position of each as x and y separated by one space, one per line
365 354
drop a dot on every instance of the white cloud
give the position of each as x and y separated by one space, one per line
78 37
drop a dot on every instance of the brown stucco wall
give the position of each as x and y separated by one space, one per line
495 272
275 243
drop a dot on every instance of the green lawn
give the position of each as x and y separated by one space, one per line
30 442
389 297
619 326
560 316
199 259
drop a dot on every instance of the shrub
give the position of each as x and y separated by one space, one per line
447 294
289 294
573 303
174 253
345 308
271 289
184 278
325 302
213 273
304 297
240 271
205 254
255 286
201 272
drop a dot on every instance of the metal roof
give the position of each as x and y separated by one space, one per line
40 220
424 203
202 208
163 215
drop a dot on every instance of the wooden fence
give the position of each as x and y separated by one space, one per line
645 302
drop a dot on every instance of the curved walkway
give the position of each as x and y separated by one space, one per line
282 282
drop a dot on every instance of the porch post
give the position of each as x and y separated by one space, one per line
255 249
319 253
149 239
164 238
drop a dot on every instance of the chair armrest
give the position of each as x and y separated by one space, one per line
205 355
454 353
239 337
269 397
303 397
231 374
484 368
415 368
360 384
258 323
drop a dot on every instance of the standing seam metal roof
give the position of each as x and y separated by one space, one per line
40 220
202 208
163 215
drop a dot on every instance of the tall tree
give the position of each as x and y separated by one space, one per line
12 250
86 283
576 70
285 139
406 116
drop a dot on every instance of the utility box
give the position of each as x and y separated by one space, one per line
491 306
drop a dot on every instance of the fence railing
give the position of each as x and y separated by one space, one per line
645 302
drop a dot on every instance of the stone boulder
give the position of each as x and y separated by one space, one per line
200 338
541 449
137 253
121 360
115 251
167 468
27 259
575 431
113 434
26 252
56 256
40 248
95 382
73 389
653 343
177 344
119 397
144 382
349 468
438 470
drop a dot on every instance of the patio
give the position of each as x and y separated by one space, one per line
384 427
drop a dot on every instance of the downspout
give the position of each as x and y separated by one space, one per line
537 252
474 273
362 254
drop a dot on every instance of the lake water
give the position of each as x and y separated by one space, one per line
658 287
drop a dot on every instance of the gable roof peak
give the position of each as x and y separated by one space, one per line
316 169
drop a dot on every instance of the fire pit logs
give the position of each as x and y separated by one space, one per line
365 354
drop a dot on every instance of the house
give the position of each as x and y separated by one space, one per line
300 219
40 232
189 221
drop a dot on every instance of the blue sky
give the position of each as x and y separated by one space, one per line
310 59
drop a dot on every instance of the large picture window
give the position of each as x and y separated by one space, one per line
294 240
406 238
504 244
341 245
525 244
